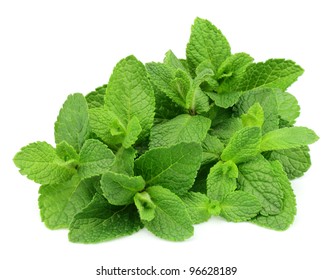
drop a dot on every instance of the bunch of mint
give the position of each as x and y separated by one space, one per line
168 145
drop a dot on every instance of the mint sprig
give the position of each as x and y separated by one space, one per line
169 144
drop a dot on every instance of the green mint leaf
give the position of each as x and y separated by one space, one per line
257 177
166 109
183 128
224 100
120 189
58 203
219 115
205 73
233 68
214 208
129 94
164 78
134 129
41 163
287 138
295 161
212 148
171 220
117 130
72 124
175 82
124 161
174 167
205 76
226 129
96 98
273 73
172 61
254 116
201 103
221 180
146 208
95 159
109 128
206 43
181 84
197 205
239 206
243 146
267 100
288 108
101 221
100 122
285 218
66 152
230 73
196 99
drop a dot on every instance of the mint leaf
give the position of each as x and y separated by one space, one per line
254 116
124 161
133 131
212 148
95 159
58 203
101 221
295 162
66 152
206 43
273 73
166 109
174 167
129 94
224 100
146 208
267 100
239 206
120 189
197 205
226 129
72 124
221 180
100 122
287 138
230 73
109 128
233 68
162 76
96 98
41 163
199 101
172 61
288 107
243 146
196 100
257 178
117 130
285 218
172 79
171 220
181 84
183 128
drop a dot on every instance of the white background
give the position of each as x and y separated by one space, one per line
49 49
